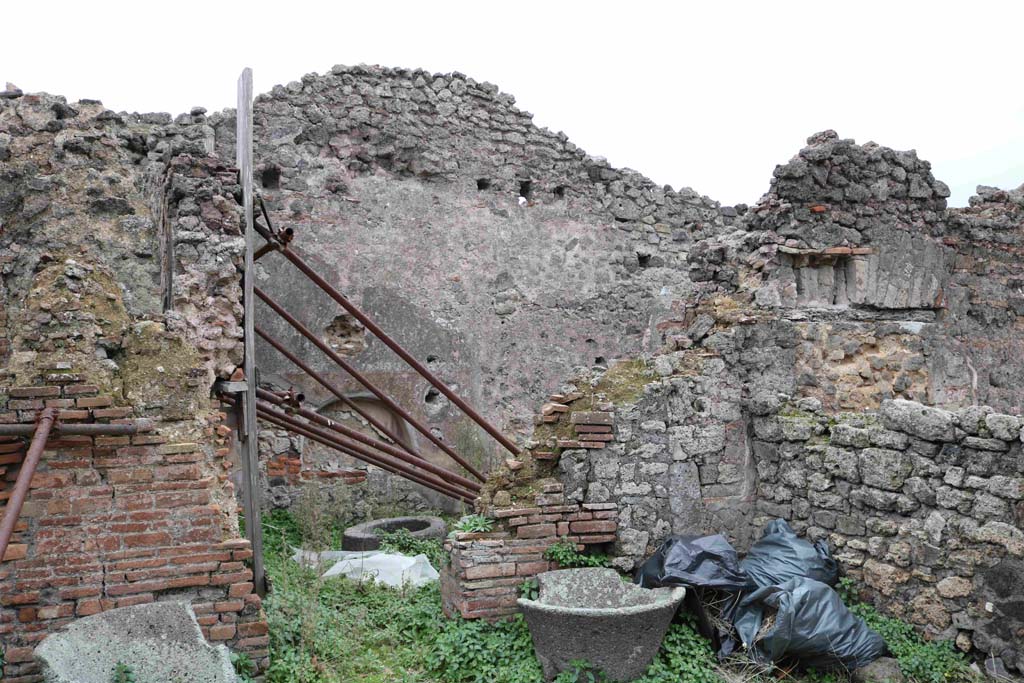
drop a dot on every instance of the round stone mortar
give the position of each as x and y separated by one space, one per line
593 615
366 536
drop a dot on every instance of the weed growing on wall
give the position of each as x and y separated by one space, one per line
568 556
122 674
244 666
477 524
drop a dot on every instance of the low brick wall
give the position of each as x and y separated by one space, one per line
484 570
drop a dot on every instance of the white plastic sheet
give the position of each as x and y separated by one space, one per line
390 569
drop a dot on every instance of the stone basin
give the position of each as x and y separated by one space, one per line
593 615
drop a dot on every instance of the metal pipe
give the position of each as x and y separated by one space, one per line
384 429
313 416
362 452
79 429
264 250
292 425
299 263
388 401
404 471
328 439
28 468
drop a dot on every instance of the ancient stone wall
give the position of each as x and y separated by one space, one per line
498 253
120 295
922 504
504 256
507 260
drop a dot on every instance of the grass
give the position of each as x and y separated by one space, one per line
337 630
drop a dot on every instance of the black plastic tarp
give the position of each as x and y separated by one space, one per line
777 600
781 555
705 565
806 620
695 561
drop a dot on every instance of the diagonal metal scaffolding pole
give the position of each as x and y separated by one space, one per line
406 472
328 439
359 452
359 377
298 362
313 416
354 310
28 468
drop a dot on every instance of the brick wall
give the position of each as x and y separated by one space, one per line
481 579
112 521
531 513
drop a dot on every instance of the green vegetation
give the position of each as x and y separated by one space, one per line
685 656
244 666
402 541
334 630
568 556
529 589
477 524
920 660
581 672
337 630
122 674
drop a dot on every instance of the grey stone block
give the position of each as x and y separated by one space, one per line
159 642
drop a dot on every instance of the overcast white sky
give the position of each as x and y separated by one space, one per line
710 95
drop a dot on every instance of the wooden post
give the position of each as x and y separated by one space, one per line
248 429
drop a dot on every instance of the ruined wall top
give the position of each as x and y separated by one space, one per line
450 127
835 192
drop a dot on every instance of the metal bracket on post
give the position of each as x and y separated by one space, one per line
248 432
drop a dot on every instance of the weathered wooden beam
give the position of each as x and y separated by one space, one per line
248 428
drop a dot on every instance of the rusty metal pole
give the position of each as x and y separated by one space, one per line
85 429
337 392
359 377
433 484
398 468
362 452
28 468
299 263
452 477
290 424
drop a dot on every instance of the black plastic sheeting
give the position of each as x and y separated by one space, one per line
811 623
783 578
695 561
781 555
701 563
